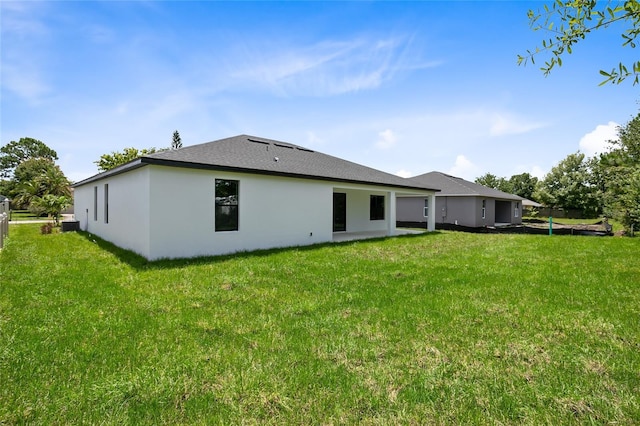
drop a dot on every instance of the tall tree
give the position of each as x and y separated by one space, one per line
177 142
570 185
523 185
26 183
37 177
570 21
14 153
620 171
117 158
491 181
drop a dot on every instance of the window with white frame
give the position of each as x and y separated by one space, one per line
426 208
516 213
484 209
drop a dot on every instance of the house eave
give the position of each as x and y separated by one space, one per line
513 198
143 161
132 165
200 166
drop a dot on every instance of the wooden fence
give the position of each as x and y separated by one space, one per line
4 221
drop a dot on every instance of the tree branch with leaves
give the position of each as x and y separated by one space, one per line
117 158
569 22
16 152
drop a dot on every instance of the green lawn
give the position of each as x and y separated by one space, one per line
441 328
21 215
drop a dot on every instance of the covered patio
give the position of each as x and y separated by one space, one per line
353 236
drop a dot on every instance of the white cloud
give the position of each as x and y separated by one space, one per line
386 139
25 80
404 173
463 168
99 34
21 19
533 170
171 105
506 124
596 141
23 56
313 139
326 68
537 171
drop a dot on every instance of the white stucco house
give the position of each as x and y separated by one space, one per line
238 194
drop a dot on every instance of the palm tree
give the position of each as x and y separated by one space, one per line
54 182
52 205
27 192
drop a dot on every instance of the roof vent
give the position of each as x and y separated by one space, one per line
283 145
276 159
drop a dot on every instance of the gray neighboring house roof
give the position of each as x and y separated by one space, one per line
3 198
453 186
252 154
530 203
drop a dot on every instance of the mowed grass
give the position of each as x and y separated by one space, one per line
442 328
21 215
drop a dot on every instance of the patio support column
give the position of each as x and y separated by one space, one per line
431 220
391 213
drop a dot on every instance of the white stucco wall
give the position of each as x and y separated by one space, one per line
273 212
169 212
358 213
128 225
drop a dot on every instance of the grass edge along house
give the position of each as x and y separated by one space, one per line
238 194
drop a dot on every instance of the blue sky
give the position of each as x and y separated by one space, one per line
405 87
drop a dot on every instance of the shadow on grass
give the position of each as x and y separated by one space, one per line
139 262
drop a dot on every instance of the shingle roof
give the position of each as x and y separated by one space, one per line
252 154
455 186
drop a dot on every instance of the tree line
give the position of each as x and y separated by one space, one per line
31 179
607 184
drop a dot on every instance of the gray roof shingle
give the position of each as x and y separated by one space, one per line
455 186
252 154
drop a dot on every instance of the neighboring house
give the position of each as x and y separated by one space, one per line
238 194
529 206
459 202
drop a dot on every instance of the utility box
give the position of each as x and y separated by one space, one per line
70 225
